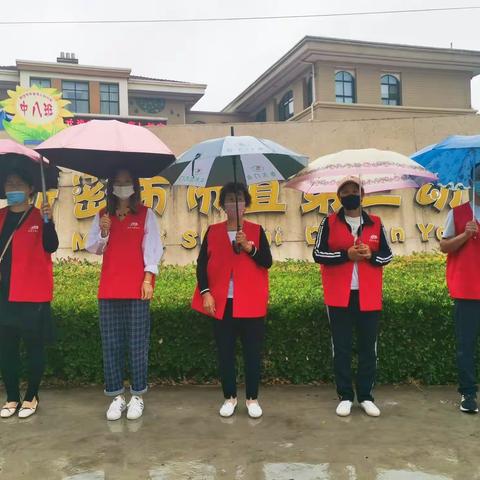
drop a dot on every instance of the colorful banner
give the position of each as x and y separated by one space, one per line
33 114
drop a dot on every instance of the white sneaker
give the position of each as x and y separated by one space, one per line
344 408
116 408
254 410
228 408
370 408
135 408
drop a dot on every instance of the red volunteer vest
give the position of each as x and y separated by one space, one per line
123 267
31 278
464 264
250 281
337 279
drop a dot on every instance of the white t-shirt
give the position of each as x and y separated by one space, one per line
449 229
231 234
354 223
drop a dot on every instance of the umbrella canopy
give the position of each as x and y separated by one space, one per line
379 170
453 159
218 161
99 147
16 156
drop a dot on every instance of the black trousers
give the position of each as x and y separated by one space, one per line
467 329
343 321
252 334
10 362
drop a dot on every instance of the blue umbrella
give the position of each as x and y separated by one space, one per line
453 159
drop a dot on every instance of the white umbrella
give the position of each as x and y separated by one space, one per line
379 170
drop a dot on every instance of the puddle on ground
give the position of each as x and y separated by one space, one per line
98 475
183 470
408 475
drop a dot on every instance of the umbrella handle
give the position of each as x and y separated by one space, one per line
44 188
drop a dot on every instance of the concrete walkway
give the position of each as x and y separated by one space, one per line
421 435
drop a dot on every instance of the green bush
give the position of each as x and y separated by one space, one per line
416 341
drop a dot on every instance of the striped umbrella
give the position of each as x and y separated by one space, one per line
242 159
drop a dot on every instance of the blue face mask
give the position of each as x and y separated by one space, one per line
14 198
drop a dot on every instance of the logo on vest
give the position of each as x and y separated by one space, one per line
134 226
374 238
34 229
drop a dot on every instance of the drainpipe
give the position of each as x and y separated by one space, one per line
313 92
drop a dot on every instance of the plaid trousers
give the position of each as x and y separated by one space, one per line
125 324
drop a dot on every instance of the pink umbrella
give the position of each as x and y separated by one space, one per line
379 170
9 147
98 147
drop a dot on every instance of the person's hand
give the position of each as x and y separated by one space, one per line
209 303
471 229
241 239
355 254
105 225
365 251
46 210
147 290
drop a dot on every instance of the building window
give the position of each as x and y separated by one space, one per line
344 87
390 86
77 94
261 116
285 107
309 92
40 82
109 99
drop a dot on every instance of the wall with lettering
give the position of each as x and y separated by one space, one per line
413 218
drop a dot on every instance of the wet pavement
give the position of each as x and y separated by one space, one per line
421 435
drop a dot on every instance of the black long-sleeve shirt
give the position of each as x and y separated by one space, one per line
323 255
261 256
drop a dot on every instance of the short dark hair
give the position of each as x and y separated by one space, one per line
235 188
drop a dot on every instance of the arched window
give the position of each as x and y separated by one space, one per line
390 86
285 107
344 87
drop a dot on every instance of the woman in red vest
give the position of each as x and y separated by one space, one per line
26 290
352 249
232 276
461 240
127 236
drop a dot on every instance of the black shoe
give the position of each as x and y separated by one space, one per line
469 404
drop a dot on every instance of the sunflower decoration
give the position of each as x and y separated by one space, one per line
37 113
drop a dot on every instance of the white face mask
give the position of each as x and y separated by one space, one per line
123 192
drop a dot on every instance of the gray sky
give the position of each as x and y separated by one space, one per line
227 56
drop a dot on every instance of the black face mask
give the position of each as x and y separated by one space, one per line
350 202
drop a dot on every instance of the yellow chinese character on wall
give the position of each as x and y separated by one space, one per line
52 195
153 194
208 196
323 202
88 196
438 197
265 198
